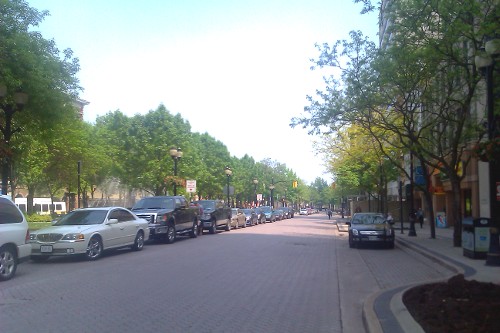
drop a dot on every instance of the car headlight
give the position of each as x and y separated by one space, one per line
32 237
355 232
73 237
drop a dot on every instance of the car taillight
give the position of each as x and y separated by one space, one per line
27 238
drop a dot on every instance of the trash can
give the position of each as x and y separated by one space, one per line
476 237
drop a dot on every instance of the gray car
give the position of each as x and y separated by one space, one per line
370 228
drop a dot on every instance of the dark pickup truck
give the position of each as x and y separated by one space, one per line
168 216
215 215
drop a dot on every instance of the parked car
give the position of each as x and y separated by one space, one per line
238 218
251 217
280 214
89 232
261 217
169 217
14 238
269 212
366 228
216 215
304 211
288 212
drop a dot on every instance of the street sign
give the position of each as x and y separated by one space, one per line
191 186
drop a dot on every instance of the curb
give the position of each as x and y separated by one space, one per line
401 319
370 319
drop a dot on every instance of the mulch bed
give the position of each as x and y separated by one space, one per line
455 306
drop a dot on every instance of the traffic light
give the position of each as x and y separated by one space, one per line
294 184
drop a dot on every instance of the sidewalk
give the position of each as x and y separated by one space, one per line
385 311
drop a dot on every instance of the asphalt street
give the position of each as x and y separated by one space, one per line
297 275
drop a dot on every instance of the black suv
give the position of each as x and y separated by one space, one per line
215 215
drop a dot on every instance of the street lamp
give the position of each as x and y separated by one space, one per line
271 187
486 63
228 172
412 232
255 182
176 154
9 107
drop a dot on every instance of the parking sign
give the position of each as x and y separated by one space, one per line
191 186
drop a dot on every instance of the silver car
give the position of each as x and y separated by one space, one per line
88 232
14 238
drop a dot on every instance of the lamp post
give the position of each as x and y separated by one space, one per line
176 154
79 169
228 172
400 191
486 62
412 232
9 106
271 187
255 181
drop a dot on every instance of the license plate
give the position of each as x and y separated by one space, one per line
372 238
45 248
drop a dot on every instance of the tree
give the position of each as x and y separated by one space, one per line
35 66
420 87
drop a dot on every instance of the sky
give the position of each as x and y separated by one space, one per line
237 70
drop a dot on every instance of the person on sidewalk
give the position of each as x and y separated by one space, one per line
390 219
329 212
420 217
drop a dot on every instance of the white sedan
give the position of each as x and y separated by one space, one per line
89 231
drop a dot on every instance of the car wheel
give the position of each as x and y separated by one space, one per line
194 230
390 245
170 237
228 225
39 258
8 263
351 242
138 242
94 248
213 228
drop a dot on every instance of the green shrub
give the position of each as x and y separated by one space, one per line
38 218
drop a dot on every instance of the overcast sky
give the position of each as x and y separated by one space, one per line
223 65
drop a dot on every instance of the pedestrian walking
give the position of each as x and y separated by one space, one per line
390 219
329 212
420 217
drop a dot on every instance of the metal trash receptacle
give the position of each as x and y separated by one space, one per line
476 237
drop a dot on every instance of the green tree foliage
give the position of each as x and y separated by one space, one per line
33 65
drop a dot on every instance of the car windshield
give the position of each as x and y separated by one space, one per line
154 203
247 211
368 219
83 217
266 209
207 204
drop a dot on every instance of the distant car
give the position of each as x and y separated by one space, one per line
269 212
14 238
288 212
238 218
280 214
370 228
261 217
304 211
251 217
89 232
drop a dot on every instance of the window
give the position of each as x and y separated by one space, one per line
9 213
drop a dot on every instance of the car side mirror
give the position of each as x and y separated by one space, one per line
112 221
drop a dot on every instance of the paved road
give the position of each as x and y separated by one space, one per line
296 275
